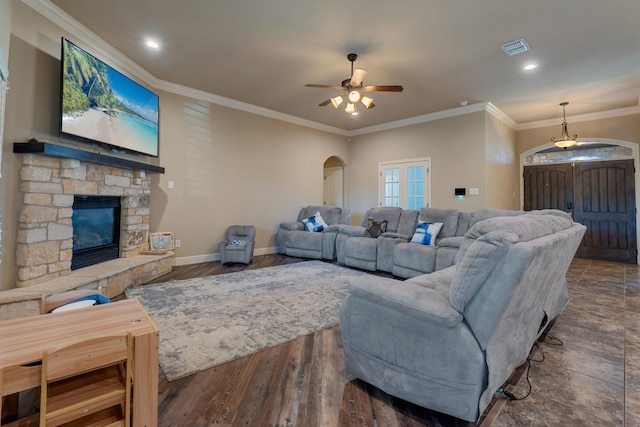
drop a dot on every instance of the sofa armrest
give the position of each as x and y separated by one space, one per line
451 242
397 236
333 228
412 299
292 225
352 230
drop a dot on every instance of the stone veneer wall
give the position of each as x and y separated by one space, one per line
45 234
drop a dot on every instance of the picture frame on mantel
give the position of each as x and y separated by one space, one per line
161 241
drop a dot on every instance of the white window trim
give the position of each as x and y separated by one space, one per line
427 182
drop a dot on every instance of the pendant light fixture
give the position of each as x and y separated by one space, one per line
565 141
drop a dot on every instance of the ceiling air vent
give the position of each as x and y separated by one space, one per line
515 47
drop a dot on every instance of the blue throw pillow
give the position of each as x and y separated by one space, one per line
314 223
426 233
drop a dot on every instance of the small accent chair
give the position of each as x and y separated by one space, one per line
85 378
239 244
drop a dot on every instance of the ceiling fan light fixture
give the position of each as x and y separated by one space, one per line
354 96
366 101
352 89
350 108
565 141
337 100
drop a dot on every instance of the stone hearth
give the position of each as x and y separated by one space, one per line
44 242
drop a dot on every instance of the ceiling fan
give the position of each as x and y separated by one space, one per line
351 88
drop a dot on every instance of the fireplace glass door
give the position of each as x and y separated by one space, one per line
96 230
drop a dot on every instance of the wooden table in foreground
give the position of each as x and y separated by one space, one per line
23 340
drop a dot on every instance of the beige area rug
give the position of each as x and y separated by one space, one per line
211 320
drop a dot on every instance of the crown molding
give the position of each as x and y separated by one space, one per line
619 112
243 106
86 37
438 115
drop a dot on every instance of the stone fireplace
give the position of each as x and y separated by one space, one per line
45 230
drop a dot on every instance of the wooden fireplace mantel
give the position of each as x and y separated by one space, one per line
54 150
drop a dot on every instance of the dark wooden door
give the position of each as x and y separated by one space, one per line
600 195
605 203
548 187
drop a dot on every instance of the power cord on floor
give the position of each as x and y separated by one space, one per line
512 396
549 339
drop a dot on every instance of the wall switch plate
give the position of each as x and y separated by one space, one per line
177 243
170 184
474 191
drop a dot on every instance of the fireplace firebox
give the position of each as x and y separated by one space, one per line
96 230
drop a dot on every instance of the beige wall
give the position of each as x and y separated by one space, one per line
457 146
231 167
5 32
624 128
502 171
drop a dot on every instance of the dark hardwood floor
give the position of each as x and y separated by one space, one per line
300 383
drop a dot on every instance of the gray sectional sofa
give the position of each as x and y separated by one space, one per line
391 251
448 340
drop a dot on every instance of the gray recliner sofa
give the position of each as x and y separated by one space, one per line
448 340
294 240
355 249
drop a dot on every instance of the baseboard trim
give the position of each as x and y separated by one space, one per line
197 259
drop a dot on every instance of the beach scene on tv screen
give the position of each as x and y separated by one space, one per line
101 104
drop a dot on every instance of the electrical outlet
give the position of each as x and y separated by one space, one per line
170 184
178 242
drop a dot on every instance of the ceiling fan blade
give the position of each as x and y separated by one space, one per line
324 86
358 77
383 88
327 102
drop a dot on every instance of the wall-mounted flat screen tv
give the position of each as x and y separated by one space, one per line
101 105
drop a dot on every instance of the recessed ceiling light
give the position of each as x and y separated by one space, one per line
152 44
530 67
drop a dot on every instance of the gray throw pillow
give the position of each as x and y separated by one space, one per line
375 228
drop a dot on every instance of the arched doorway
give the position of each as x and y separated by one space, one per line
596 183
333 184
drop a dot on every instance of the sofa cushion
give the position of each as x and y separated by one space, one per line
527 226
330 214
315 223
448 218
481 258
390 213
375 228
407 224
426 233
486 213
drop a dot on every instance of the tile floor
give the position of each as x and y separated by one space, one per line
593 378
